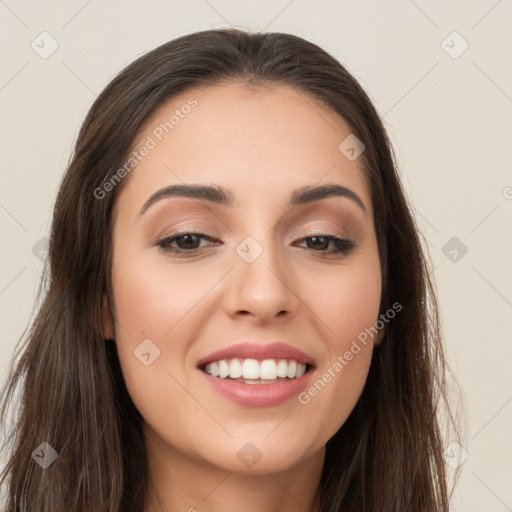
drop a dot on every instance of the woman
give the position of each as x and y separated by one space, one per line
239 313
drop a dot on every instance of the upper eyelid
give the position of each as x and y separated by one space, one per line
308 213
297 232
336 230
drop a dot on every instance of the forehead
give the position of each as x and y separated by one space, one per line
259 141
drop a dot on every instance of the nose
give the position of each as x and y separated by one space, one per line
262 289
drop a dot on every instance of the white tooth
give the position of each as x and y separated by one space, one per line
282 368
250 369
235 369
223 369
292 369
268 369
214 369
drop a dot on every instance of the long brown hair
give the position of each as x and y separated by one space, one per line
387 456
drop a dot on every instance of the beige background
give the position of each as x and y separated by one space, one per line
449 116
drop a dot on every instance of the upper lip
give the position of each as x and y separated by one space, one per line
259 352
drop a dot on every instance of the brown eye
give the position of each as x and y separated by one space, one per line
186 242
320 243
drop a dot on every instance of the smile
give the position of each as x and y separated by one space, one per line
253 383
252 371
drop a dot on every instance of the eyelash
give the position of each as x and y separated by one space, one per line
344 246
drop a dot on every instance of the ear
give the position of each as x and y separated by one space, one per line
380 335
107 319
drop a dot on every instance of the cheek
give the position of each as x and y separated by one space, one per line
151 306
159 302
151 299
346 302
348 309
355 305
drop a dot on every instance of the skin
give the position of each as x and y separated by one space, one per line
262 143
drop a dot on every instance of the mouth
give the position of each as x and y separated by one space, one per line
257 375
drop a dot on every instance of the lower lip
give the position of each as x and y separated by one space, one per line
258 395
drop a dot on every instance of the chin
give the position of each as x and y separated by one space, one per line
260 455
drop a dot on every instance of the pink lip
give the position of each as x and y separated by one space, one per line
258 395
259 352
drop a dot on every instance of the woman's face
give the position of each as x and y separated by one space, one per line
254 274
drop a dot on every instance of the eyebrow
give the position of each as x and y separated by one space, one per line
222 196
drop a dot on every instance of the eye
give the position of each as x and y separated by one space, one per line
186 241
321 242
